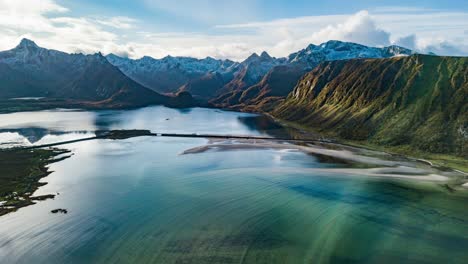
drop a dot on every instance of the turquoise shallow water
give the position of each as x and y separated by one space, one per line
140 201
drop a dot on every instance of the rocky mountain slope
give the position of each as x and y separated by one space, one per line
90 80
416 102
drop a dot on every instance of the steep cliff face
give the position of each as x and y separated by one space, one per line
418 101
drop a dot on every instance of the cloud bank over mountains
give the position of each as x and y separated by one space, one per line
56 26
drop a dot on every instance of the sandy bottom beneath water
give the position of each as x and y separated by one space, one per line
379 164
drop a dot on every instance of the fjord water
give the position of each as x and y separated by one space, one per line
140 201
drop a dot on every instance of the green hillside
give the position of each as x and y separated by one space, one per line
415 103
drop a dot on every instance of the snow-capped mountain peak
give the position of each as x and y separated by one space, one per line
187 64
339 50
28 55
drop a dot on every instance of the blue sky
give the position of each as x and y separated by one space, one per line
193 15
232 29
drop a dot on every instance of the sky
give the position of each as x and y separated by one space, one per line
228 29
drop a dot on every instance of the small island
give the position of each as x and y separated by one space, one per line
61 211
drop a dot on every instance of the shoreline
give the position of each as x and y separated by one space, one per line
20 173
273 142
448 161
30 164
445 161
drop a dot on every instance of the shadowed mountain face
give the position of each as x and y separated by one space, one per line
32 71
274 86
418 101
250 72
205 86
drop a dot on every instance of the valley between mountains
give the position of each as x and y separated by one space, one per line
389 97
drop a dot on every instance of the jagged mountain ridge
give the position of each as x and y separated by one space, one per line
250 72
31 71
169 74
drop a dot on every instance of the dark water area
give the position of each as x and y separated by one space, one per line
142 200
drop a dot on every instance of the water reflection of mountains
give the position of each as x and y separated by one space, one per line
35 134
268 126
104 121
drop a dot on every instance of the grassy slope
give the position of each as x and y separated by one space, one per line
415 104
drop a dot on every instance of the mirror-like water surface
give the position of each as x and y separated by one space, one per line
42 127
141 200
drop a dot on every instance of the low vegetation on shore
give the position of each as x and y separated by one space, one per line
20 174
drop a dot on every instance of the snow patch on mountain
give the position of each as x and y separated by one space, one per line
257 65
28 55
186 64
338 50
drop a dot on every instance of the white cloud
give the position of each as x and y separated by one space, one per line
305 21
407 41
118 22
421 29
51 26
442 47
27 15
359 28
46 22
79 35
27 7
192 44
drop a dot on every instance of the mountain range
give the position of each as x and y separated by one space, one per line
111 81
72 79
168 74
226 80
